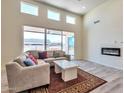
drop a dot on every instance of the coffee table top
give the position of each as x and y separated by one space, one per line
64 64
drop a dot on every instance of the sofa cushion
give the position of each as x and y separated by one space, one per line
49 60
32 58
20 59
42 55
40 61
55 54
49 54
29 62
58 53
61 58
23 57
34 53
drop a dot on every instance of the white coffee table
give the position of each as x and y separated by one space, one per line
67 68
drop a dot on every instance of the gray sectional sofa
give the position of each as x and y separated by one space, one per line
21 77
51 56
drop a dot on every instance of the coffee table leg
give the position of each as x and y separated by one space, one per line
69 74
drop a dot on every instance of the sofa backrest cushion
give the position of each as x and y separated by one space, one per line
55 54
34 53
49 54
20 59
58 53
29 62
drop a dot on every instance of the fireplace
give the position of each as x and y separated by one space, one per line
110 51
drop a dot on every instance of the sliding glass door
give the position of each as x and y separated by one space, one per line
68 43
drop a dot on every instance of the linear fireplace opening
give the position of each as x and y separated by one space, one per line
110 51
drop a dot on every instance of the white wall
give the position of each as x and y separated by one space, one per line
89 37
106 33
12 31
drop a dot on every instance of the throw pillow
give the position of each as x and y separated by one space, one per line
29 62
26 54
61 53
42 55
19 61
56 54
32 58
34 53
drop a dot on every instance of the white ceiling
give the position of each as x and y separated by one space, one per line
76 6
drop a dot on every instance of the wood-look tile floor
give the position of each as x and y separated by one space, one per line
114 77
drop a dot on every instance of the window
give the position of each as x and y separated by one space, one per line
34 38
70 19
54 40
29 8
53 15
68 43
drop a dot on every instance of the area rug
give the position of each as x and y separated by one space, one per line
83 84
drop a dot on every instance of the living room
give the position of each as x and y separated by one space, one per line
85 30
